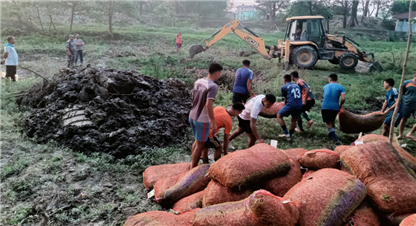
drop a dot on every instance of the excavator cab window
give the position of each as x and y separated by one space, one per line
316 32
297 30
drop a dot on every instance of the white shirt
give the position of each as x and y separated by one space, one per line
253 108
12 59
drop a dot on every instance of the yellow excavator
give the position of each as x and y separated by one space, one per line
304 44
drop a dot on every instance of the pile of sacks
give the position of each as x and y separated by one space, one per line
369 183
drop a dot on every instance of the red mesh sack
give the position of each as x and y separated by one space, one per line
260 208
157 218
409 221
154 173
390 183
353 123
169 190
272 111
189 203
307 174
327 197
215 193
394 220
294 153
319 159
408 158
280 185
364 215
248 167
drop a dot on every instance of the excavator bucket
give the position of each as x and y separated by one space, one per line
368 67
195 49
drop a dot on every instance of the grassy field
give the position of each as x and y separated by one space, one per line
49 178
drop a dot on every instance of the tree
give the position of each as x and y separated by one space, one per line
401 7
304 8
353 20
72 5
343 7
365 5
271 8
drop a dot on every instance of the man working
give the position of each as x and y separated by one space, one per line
201 116
78 45
10 58
293 106
308 100
242 86
392 95
331 106
223 120
70 50
178 42
248 118
409 106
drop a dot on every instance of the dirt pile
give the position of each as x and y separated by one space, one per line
119 112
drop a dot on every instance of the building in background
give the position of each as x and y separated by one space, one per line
245 12
402 23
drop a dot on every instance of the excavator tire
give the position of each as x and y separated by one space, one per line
304 57
348 60
334 60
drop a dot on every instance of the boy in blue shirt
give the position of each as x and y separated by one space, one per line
293 106
242 86
392 95
409 107
331 106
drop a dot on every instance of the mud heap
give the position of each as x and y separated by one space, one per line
119 112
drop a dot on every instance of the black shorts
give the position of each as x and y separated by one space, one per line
329 115
239 97
309 104
11 72
212 142
245 125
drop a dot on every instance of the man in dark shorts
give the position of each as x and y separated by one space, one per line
178 41
293 106
201 116
409 106
308 101
70 51
242 86
10 58
248 118
392 95
331 106
223 120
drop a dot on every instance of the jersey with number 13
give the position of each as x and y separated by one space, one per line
293 95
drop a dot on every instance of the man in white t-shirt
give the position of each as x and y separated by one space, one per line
248 118
10 58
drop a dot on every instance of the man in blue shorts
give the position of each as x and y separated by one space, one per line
242 86
392 95
201 116
409 107
293 106
331 106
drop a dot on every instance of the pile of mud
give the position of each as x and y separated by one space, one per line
119 112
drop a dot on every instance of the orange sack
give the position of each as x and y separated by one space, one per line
154 173
390 183
319 159
249 167
364 215
294 153
409 159
272 111
259 209
280 185
327 197
169 190
353 123
307 174
189 203
215 193
409 221
157 218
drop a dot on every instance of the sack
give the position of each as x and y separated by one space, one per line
353 123
409 159
390 183
340 149
260 208
327 197
280 185
272 111
364 215
307 174
319 159
409 221
246 168
295 153
215 193
154 173
169 190
189 203
157 218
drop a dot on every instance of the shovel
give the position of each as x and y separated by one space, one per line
195 49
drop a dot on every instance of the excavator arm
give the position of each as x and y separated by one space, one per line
252 39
